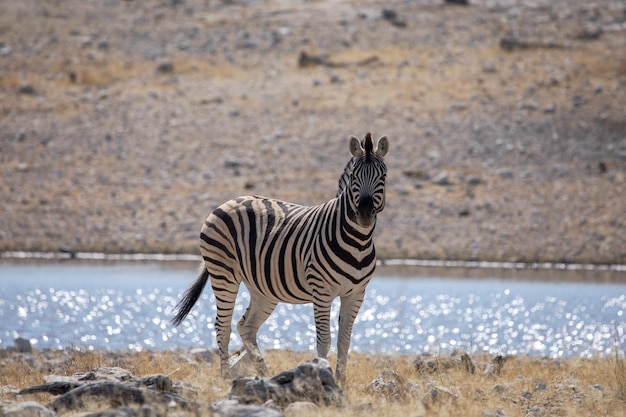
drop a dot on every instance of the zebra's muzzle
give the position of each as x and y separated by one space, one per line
366 212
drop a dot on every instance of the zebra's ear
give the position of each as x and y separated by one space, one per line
355 147
383 146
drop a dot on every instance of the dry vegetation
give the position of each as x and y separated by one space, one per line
524 387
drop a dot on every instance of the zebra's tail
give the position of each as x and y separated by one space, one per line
190 296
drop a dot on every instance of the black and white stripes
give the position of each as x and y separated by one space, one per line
285 252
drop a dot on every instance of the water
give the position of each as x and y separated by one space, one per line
127 305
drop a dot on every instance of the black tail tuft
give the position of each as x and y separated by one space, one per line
190 296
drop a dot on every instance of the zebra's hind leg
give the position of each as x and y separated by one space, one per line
225 302
257 312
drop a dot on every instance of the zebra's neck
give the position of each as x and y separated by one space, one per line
351 232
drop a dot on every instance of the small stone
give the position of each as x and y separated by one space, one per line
26 409
436 397
549 108
391 16
165 67
457 107
506 174
493 413
499 388
233 162
158 382
474 179
5 50
26 89
22 345
301 407
201 354
441 179
231 408
389 384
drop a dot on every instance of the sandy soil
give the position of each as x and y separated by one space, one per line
124 123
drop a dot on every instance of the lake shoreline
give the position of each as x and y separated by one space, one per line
390 262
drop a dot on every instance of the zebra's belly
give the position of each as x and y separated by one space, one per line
279 288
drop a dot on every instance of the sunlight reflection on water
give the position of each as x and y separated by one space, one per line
128 306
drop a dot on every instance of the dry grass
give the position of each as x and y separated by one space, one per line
525 386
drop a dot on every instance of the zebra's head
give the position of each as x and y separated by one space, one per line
367 179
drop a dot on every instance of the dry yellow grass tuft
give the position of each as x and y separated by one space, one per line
428 386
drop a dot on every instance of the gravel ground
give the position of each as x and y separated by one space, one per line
124 123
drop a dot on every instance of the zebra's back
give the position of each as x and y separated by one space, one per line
264 243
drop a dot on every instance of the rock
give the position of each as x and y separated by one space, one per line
389 384
436 397
301 407
441 179
25 409
107 372
144 411
232 408
236 163
6 390
310 381
158 382
493 413
202 355
467 364
165 67
432 364
551 108
185 389
391 16
457 107
54 388
22 345
536 411
474 180
495 367
5 50
116 394
116 387
26 89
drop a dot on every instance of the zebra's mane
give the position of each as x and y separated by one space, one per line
344 180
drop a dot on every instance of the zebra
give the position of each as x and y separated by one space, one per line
285 252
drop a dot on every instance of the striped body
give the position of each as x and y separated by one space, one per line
291 252
285 252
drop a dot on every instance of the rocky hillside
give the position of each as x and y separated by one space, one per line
124 123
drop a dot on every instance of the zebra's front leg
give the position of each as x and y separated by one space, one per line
321 308
257 312
350 306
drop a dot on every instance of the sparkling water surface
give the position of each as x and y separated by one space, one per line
129 305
